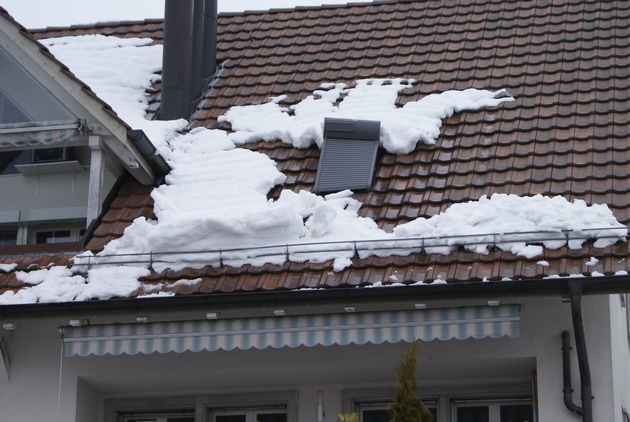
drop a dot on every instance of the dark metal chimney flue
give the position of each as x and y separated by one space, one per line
189 54
210 39
199 18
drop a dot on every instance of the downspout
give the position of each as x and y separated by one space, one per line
566 375
575 290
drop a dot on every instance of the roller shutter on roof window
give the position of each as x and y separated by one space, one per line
348 155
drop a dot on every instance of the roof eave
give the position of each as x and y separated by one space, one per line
604 285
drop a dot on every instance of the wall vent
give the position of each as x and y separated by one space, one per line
348 155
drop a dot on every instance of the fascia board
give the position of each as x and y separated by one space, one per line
443 292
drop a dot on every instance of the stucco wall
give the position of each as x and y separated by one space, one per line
447 369
620 356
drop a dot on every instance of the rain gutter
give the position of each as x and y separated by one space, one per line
317 297
149 152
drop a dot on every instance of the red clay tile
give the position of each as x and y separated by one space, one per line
557 138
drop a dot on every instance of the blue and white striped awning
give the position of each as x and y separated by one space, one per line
292 331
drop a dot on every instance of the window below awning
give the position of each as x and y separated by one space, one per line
292 331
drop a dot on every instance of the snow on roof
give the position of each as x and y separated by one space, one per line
213 208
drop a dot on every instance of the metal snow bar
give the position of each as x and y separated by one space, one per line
558 287
411 244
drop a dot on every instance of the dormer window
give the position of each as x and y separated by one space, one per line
23 98
348 155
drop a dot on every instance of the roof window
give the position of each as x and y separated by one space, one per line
348 155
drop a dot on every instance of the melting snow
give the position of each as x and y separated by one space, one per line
215 199
402 128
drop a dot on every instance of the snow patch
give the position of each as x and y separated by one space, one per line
301 125
7 268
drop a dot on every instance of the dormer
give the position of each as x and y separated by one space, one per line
61 148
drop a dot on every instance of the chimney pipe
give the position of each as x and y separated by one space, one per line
210 39
199 18
177 59
190 37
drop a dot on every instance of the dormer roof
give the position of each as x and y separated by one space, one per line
78 100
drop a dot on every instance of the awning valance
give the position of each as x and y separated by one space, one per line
292 331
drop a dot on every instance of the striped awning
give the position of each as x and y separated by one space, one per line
32 134
292 331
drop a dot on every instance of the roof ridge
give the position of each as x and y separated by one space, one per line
95 25
351 3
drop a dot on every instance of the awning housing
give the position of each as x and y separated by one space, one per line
40 134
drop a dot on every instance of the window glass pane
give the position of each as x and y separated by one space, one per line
54 236
473 414
8 237
271 417
23 98
162 418
9 112
516 413
231 418
376 415
371 412
8 160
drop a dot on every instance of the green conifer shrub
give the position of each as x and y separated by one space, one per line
407 407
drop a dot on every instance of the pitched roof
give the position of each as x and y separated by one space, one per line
566 133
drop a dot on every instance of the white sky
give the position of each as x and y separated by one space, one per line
43 13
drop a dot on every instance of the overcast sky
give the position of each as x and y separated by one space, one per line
43 13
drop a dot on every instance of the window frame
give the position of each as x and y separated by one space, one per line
248 412
76 232
8 231
384 405
202 405
156 416
357 400
493 404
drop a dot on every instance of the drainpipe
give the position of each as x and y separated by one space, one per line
575 290
566 375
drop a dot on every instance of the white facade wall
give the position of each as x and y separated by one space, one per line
620 355
447 370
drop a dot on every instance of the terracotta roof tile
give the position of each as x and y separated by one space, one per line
565 134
